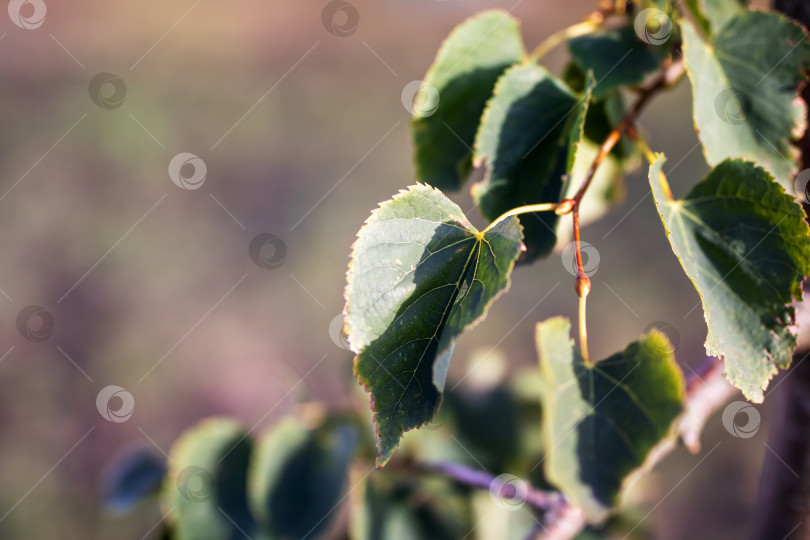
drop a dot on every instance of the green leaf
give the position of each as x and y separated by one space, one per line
419 274
712 15
601 421
463 76
523 139
205 495
298 475
602 116
390 507
744 244
744 85
618 57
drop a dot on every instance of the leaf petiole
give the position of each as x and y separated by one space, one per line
573 31
542 207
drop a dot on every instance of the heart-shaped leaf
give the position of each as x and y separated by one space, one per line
419 274
205 494
744 85
524 141
602 420
298 475
744 244
454 93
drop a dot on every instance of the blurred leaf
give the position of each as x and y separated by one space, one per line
205 496
744 85
419 274
298 476
463 76
133 477
744 244
601 421
712 15
488 424
523 139
617 57
387 507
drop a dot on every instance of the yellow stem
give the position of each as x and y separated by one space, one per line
544 207
579 29
583 331
650 156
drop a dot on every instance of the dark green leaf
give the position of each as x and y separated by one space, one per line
419 274
462 77
133 477
297 477
205 494
744 244
744 85
387 507
601 421
618 57
523 139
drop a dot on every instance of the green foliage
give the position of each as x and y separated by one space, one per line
744 244
204 493
712 15
616 57
744 81
524 140
298 476
601 421
288 486
419 274
462 76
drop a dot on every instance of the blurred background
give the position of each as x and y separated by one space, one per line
298 133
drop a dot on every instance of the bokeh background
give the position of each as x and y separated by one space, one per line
302 132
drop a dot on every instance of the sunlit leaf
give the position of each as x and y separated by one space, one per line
454 93
744 85
744 244
419 274
601 421
523 140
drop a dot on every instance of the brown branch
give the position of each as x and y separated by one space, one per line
669 76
